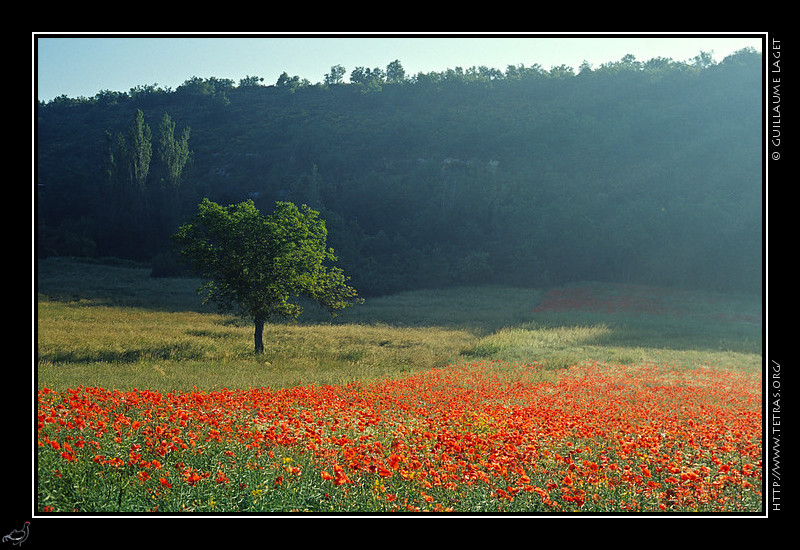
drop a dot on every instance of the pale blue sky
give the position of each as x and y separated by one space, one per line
81 66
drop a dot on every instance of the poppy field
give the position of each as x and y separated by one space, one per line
468 435
475 437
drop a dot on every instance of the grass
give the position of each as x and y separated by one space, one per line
563 340
114 326
124 347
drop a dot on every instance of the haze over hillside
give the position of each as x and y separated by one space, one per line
634 171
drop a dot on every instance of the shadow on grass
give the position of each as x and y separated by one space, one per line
558 340
173 352
674 332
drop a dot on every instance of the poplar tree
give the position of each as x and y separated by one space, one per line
127 167
173 153
138 151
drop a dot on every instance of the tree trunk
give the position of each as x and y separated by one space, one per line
259 336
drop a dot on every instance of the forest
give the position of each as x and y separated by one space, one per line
646 172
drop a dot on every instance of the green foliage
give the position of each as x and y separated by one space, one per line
260 265
137 150
336 76
632 171
174 153
140 189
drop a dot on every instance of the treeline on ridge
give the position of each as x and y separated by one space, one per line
644 172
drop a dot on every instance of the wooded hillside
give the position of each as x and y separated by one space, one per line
635 171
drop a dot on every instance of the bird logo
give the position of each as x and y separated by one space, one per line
18 536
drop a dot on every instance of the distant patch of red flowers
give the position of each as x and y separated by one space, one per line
634 299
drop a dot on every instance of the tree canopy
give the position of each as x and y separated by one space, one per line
260 265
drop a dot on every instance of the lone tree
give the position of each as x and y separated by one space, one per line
258 266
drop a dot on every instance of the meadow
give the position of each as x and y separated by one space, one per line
590 398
